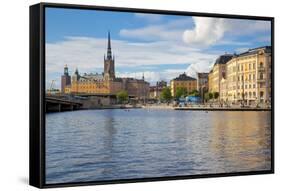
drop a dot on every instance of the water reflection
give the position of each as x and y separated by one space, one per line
246 138
116 144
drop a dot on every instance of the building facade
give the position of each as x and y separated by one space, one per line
106 83
249 77
155 91
223 93
218 72
202 83
183 81
65 79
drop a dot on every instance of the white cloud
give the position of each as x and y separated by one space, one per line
201 66
171 30
200 32
149 17
87 54
208 31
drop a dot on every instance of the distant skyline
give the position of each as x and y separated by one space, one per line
160 46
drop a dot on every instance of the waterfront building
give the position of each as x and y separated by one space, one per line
202 83
65 79
223 90
218 72
106 83
155 91
249 76
210 80
183 81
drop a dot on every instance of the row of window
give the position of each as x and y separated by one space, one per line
247 86
92 87
185 83
250 94
249 77
250 66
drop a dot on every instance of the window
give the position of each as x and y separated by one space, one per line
254 77
261 64
250 66
254 65
261 76
254 85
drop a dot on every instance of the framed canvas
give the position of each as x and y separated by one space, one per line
122 95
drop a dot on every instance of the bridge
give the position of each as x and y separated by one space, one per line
55 104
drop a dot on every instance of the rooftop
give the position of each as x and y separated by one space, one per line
202 74
267 49
223 59
183 77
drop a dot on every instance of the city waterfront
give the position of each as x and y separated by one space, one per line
95 145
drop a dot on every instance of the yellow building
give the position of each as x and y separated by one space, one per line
249 76
106 83
210 81
183 81
223 90
232 82
218 72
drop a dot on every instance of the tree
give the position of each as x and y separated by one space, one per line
211 95
206 96
216 95
181 92
122 96
194 93
166 94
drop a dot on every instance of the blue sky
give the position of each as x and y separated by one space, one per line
160 46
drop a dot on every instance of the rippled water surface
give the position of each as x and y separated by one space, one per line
93 145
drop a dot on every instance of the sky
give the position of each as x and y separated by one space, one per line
159 46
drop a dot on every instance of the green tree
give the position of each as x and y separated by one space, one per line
122 96
216 95
166 94
206 96
210 95
180 92
194 93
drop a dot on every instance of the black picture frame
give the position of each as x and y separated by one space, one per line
37 95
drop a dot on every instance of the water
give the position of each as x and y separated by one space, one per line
93 145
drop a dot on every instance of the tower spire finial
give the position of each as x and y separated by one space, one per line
109 56
109 44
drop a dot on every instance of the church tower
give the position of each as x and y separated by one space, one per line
65 79
109 69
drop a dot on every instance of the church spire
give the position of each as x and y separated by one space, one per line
109 57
